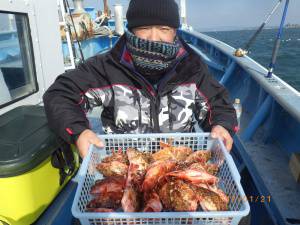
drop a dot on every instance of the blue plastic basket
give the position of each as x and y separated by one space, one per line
228 174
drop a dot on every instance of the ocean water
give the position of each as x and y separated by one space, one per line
288 60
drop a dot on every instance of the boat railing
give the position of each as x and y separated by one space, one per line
287 96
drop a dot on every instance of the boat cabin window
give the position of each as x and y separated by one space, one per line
17 71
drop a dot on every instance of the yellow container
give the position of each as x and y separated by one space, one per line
25 197
34 165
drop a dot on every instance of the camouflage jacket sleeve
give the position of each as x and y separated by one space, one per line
66 101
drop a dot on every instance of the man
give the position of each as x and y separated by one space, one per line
150 82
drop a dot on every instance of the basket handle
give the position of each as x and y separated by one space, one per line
63 159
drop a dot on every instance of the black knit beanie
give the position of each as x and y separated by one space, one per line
153 12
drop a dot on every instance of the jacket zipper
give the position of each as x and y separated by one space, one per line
145 84
155 114
154 95
167 88
140 112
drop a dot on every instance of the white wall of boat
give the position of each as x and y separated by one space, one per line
44 28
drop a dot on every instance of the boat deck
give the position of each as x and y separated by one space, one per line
268 165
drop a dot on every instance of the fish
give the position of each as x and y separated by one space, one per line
201 156
211 198
176 195
155 172
211 168
108 185
130 200
178 153
152 203
194 176
138 166
119 156
113 168
106 201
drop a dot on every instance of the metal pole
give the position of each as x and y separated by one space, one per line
277 43
119 21
11 22
78 7
73 24
247 46
68 36
106 9
183 12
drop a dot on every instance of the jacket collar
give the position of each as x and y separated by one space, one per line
117 51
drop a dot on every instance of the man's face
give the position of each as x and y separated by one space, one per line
156 33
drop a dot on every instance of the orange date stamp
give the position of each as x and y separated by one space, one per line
252 198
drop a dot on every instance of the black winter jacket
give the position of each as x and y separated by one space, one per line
187 95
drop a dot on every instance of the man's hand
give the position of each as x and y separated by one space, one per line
220 132
85 139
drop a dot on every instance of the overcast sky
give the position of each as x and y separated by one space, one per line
219 14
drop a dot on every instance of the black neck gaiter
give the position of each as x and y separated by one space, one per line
150 58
